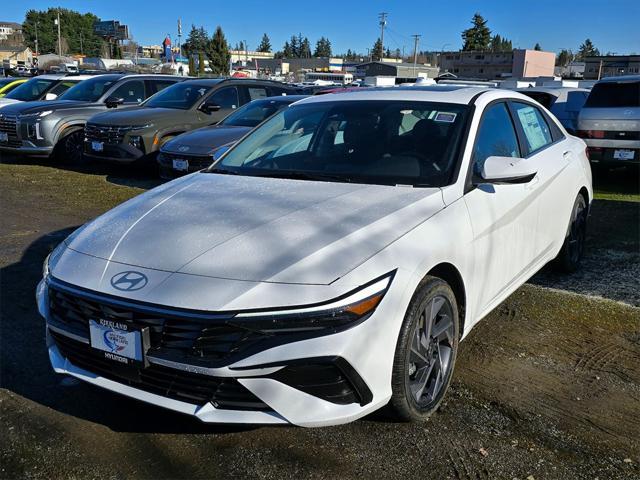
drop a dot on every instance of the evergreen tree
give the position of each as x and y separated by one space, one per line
305 48
564 58
397 53
196 40
294 46
265 44
200 64
478 36
388 53
218 53
537 47
192 66
287 51
73 27
323 48
496 43
376 53
587 49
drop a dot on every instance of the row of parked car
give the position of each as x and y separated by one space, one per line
130 118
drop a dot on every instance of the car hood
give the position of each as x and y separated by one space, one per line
204 141
256 229
23 108
7 101
136 115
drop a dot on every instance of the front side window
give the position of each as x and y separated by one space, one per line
535 128
31 90
354 141
89 90
131 91
181 96
496 137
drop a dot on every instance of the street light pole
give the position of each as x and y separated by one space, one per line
416 38
59 43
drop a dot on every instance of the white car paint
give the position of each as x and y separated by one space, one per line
225 243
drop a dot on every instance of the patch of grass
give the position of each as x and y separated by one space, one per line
619 184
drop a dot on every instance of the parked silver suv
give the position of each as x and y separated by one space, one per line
609 122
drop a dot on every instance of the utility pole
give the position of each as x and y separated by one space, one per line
383 22
36 39
59 43
81 50
416 39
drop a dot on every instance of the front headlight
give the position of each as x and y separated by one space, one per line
136 142
36 114
52 259
343 312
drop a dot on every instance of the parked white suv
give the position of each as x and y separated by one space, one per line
609 122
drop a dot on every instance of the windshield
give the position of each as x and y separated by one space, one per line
254 113
378 142
614 94
89 90
31 89
181 96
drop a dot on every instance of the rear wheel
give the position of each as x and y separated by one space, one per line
568 260
69 148
426 351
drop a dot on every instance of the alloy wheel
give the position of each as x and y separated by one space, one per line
429 359
577 231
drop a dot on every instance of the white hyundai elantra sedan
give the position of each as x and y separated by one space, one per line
328 264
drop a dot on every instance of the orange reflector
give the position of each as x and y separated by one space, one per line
364 306
155 139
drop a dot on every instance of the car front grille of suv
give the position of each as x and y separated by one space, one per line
104 133
9 125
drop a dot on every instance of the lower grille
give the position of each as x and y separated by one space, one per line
224 393
9 125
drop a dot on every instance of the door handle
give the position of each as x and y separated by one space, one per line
567 155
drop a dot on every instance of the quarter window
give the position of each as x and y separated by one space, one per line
496 137
534 126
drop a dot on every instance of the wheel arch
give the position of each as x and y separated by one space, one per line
450 274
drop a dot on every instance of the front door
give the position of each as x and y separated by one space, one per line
504 217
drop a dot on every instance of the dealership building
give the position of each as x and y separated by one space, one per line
519 63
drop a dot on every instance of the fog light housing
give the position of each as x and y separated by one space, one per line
136 142
32 130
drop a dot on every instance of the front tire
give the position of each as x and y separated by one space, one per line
568 260
426 351
69 148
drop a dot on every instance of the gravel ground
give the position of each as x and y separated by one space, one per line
547 386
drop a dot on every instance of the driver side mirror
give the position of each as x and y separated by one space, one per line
50 96
210 107
113 102
508 170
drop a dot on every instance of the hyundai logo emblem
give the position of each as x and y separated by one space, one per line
129 281
183 148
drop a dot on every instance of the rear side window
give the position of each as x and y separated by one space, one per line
614 95
226 97
534 126
257 92
496 137
131 91
156 85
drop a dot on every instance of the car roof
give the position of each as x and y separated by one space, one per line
432 93
622 78
284 98
153 76
205 82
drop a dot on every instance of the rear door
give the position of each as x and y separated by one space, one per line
543 143
504 217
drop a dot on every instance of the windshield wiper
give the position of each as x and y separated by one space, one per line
223 171
324 177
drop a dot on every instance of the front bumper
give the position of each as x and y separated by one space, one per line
263 386
27 149
118 153
195 163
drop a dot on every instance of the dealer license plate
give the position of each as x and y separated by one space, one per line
181 165
623 154
97 146
4 137
117 344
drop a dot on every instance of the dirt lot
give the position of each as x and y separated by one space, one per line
548 386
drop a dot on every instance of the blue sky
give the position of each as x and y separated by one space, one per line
612 25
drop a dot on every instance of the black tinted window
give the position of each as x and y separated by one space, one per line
157 85
496 137
614 94
131 91
225 97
